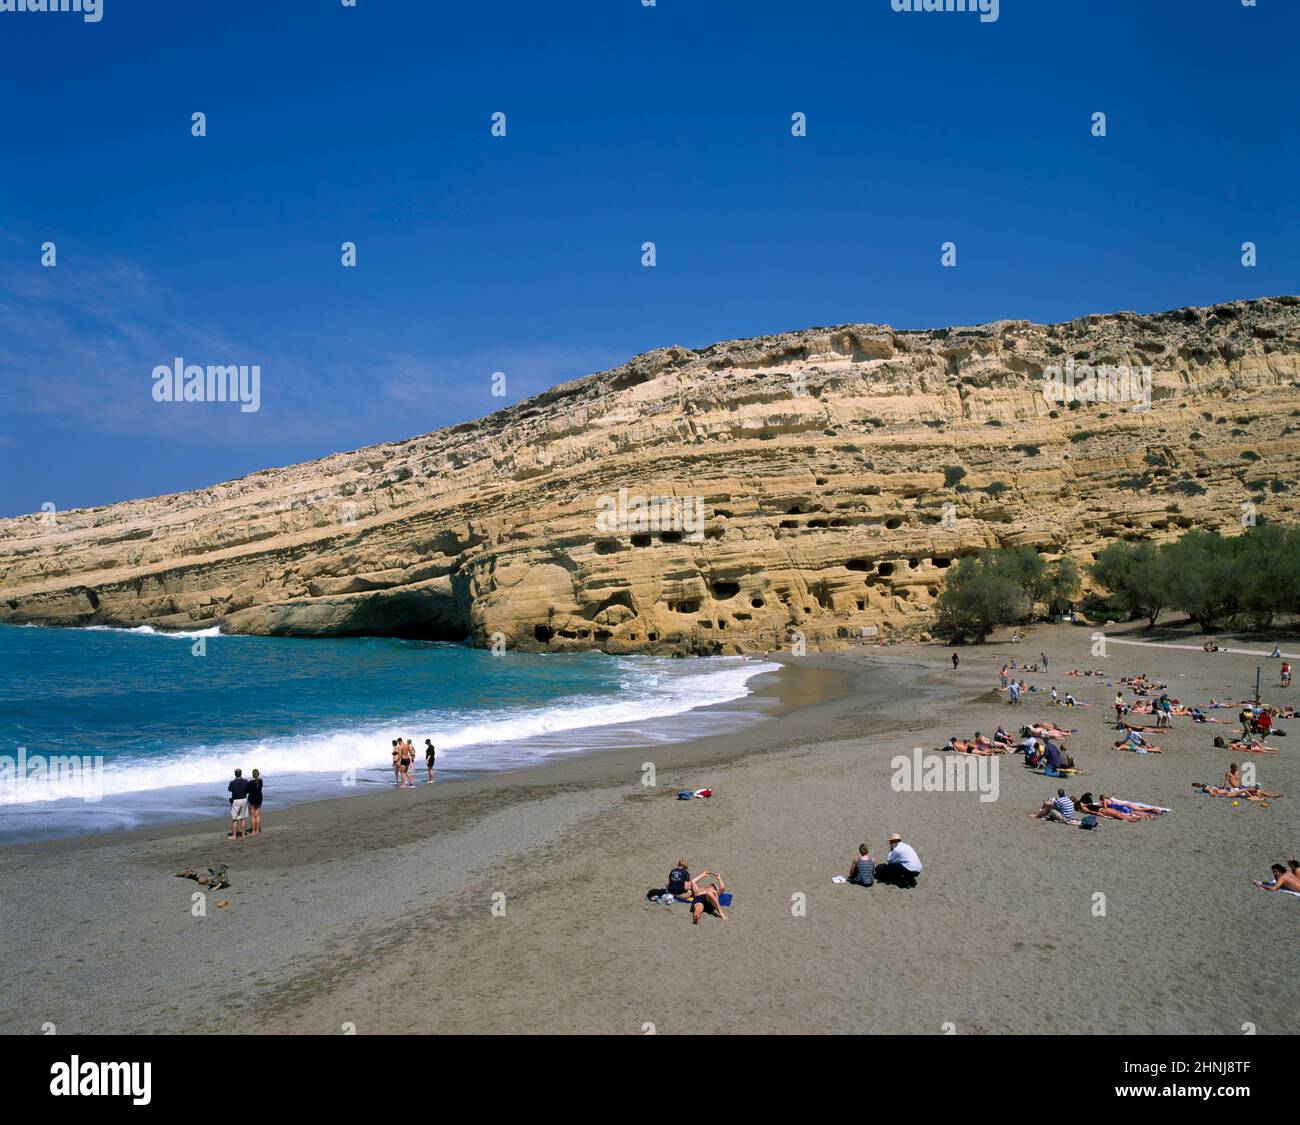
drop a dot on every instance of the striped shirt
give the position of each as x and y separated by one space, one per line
1064 806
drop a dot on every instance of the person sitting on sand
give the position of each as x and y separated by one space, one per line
901 866
861 870
1033 753
1232 776
1283 880
1002 738
1059 809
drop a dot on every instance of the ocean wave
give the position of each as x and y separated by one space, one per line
150 631
655 692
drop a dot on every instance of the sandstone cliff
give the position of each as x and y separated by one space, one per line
838 472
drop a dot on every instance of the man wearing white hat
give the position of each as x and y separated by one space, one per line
901 866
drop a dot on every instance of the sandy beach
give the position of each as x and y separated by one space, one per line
384 911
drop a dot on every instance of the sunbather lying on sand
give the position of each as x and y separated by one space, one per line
1251 747
1241 792
1049 730
1138 747
1133 808
1098 808
962 746
706 898
1283 880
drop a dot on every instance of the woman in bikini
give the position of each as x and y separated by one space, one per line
1098 809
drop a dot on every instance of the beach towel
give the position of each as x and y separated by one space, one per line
724 899
1140 805
839 879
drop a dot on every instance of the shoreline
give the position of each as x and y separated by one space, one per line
815 682
468 749
516 903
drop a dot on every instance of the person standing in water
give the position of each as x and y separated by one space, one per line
397 769
406 757
255 804
429 756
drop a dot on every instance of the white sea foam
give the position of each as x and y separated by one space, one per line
150 631
656 689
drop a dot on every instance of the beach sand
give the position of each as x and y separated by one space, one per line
377 911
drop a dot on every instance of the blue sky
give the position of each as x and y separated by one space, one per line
522 254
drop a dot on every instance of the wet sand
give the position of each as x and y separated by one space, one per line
514 903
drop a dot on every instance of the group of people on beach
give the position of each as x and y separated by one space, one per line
404 759
901 868
245 805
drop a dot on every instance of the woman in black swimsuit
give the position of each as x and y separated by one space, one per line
255 804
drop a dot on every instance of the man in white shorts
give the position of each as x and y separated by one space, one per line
238 804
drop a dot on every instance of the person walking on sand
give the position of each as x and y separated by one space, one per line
255 804
238 805
1043 657
955 661
1119 708
1247 717
1286 673
429 755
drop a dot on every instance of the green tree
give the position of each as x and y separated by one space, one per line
978 596
1062 585
1136 575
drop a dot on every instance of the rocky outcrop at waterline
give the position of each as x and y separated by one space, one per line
720 499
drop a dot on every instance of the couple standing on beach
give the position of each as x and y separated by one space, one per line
404 758
245 804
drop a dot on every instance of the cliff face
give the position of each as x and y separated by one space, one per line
817 482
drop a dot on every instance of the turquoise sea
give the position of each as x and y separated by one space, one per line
102 729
